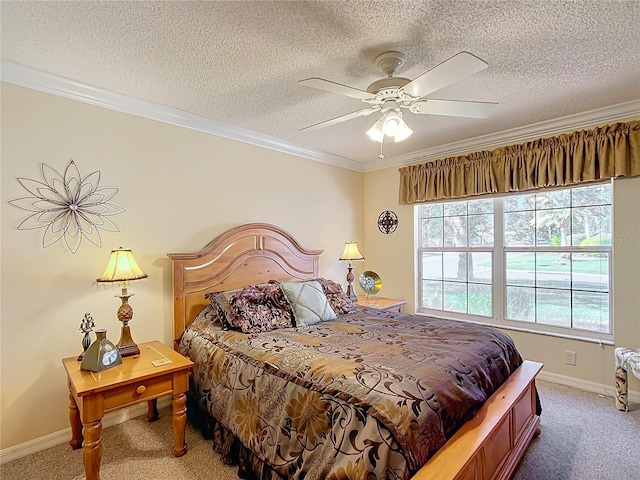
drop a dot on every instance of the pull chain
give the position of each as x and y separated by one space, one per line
381 156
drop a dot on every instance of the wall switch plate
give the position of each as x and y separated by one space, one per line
570 357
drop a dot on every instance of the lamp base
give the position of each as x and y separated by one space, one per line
351 294
126 345
350 278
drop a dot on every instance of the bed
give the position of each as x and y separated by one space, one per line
346 398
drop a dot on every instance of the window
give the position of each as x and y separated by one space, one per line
538 260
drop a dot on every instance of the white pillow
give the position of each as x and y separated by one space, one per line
309 303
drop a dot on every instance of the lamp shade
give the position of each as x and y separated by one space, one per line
405 132
375 132
351 252
122 267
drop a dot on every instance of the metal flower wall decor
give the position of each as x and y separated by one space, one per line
69 207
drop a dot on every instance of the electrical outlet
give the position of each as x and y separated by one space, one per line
570 357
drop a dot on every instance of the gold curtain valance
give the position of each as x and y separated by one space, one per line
584 156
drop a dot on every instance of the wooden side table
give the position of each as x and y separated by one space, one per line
156 372
387 304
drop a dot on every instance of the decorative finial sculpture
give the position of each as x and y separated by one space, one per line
86 327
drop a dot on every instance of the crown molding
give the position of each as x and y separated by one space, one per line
614 113
46 82
28 77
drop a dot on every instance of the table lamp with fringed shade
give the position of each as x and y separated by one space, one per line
122 268
351 253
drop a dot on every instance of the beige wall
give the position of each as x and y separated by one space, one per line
392 256
180 189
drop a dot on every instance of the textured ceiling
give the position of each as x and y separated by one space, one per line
238 62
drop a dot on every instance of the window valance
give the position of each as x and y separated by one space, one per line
584 156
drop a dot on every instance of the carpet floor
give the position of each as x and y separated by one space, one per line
583 437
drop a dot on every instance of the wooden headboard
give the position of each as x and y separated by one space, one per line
245 255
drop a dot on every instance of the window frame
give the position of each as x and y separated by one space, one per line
499 278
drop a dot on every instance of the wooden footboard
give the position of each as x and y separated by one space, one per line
490 445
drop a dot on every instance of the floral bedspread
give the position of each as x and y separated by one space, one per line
371 395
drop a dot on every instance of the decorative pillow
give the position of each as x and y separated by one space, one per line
309 303
339 301
208 314
261 308
256 308
220 302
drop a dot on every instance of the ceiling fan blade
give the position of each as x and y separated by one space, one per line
449 71
454 108
338 88
343 118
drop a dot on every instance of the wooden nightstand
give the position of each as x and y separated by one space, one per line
92 394
388 304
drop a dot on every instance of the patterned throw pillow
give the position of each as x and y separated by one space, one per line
208 314
220 302
309 303
339 301
262 307
253 309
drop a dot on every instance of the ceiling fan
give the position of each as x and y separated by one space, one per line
390 95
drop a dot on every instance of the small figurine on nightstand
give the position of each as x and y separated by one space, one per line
86 327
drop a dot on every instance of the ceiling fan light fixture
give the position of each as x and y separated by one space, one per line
404 134
394 126
391 94
375 132
392 123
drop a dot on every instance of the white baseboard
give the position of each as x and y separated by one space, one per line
63 436
600 388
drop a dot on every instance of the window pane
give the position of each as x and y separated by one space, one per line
553 307
432 265
455 297
481 230
553 199
591 195
431 210
591 311
480 299
455 231
455 208
481 206
553 226
479 267
521 268
432 295
432 232
521 304
557 256
553 270
590 271
518 203
591 226
455 266
519 229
